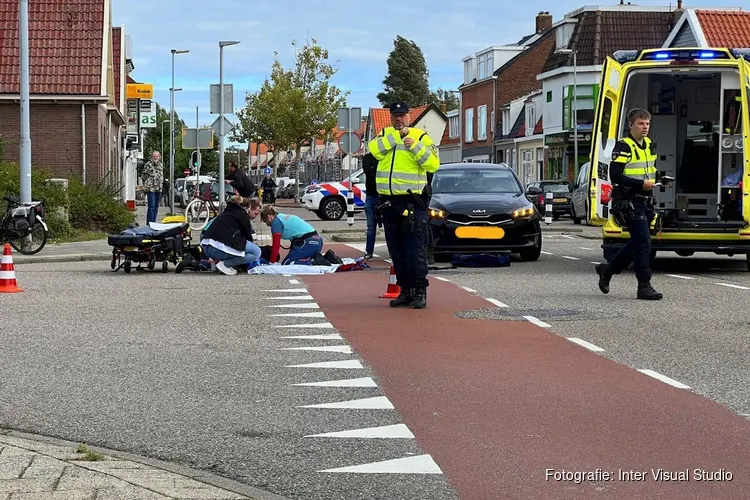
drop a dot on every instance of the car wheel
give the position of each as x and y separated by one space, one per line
332 209
533 253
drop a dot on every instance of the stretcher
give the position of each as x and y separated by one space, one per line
156 243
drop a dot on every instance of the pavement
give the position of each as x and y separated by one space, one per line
517 382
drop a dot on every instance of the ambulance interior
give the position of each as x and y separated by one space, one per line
696 126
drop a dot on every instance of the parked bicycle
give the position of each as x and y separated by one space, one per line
23 225
205 204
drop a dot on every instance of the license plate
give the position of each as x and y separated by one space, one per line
560 200
481 233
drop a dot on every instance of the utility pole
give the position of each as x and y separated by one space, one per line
25 153
222 190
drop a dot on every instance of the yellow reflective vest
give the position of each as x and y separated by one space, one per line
640 163
400 168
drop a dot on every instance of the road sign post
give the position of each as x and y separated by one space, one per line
348 117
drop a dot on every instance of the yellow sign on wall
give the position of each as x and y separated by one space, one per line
139 91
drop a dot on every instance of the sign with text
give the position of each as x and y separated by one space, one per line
133 117
147 114
139 91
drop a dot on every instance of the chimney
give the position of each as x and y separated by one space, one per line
679 4
543 21
444 108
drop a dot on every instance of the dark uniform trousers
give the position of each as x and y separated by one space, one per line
638 248
407 245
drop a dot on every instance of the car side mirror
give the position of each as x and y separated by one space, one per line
534 191
572 186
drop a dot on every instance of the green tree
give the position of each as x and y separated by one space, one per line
408 78
294 106
446 97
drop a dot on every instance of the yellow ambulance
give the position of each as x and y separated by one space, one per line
700 124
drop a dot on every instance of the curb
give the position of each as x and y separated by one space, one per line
71 257
200 476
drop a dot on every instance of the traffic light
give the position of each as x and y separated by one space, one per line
195 159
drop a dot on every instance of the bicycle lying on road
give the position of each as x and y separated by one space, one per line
205 205
23 225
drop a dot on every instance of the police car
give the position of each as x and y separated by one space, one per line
328 200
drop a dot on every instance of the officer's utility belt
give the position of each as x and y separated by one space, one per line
299 240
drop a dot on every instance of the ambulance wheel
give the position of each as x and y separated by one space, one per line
128 266
165 266
332 209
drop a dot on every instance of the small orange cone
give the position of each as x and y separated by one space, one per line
393 290
8 273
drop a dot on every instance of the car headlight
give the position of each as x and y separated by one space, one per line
313 189
520 213
436 213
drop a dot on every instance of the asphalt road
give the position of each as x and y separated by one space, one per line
190 368
697 335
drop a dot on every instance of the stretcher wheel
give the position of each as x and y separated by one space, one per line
128 266
165 266
113 264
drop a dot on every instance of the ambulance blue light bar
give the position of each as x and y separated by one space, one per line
683 55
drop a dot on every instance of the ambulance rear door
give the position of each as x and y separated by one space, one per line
745 89
605 135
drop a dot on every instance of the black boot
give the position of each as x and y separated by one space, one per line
420 298
405 298
647 292
605 274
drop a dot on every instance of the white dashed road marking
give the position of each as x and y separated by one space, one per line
293 282
570 258
586 248
442 279
537 322
547 253
665 379
470 290
595 263
681 277
587 345
495 302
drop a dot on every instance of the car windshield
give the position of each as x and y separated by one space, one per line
556 188
476 180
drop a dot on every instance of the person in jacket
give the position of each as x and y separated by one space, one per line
228 239
239 180
405 156
370 167
153 183
305 240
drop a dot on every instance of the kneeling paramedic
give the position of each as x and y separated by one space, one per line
405 155
633 174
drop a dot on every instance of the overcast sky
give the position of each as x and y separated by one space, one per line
359 36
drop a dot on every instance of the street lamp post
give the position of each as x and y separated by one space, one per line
24 90
574 111
221 122
171 128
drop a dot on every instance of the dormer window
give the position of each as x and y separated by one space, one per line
485 65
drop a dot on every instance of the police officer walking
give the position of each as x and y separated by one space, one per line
633 174
405 155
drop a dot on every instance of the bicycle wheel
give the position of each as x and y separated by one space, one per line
197 214
29 242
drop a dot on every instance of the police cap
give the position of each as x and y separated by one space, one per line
399 107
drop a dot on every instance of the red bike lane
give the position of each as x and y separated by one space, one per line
505 408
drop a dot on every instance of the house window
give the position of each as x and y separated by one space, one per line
586 96
506 122
485 65
469 121
530 117
455 127
482 122
549 96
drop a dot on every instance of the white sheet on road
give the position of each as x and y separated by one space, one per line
297 269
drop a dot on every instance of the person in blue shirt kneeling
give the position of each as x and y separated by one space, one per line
305 240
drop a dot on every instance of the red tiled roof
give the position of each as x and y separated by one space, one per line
254 147
65 39
539 129
116 45
725 28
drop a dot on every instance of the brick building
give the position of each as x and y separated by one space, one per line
479 91
77 94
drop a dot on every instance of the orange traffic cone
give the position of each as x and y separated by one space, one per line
8 273
393 290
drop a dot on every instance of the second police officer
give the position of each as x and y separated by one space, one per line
633 174
405 156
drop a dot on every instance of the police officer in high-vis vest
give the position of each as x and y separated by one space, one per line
633 173
405 155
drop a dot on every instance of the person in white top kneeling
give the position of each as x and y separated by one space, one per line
228 239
